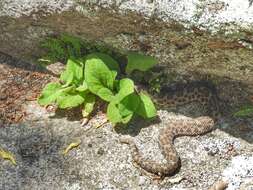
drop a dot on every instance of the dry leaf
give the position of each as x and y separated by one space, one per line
219 185
176 180
8 156
71 146
84 121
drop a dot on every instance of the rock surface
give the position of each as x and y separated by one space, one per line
184 51
208 13
101 162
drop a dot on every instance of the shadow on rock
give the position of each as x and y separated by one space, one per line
73 114
134 128
14 62
38 152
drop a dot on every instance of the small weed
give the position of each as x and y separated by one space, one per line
62 47
94 76
246 111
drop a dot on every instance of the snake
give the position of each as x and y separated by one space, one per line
199 91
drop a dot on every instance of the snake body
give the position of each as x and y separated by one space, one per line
198 91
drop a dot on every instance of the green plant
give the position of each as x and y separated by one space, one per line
61 48
139 62
246 111
95 76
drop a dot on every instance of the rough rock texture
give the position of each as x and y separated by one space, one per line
208 13
24 24
101 162
184 51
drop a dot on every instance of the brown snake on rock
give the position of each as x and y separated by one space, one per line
202 92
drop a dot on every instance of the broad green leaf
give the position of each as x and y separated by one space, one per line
127 118
69 100
105 94
146 108
131 102
89 103
99 77
74 72
245 112
126 87
114 75
83 87
109 61
139 62
124 111
50 93
69 79
114 113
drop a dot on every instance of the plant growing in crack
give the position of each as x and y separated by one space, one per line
62 47
245 111
95 76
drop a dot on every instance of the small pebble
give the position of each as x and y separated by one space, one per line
213 151
100 151
142 180
89 145
150 1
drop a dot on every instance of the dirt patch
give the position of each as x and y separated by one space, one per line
18 86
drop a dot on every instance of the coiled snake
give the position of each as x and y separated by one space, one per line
202 92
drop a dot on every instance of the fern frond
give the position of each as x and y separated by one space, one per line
73 45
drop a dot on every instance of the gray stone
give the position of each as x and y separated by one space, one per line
181 48
38 144
159 28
